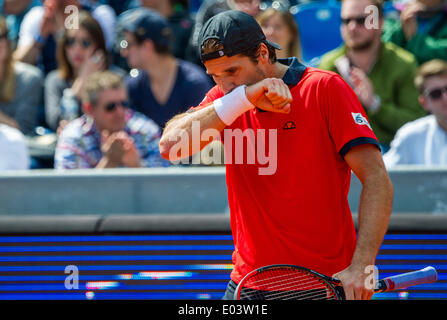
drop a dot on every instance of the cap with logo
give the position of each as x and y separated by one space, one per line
148 24
236 30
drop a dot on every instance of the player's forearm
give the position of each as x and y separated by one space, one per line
373 217
184 132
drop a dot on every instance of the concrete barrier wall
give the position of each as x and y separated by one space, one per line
190 190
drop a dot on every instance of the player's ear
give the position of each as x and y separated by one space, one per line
263 53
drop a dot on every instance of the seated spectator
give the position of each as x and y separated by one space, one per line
424 141
108 135
80 53
421 29
178 17
162 86
14 11
279 26
20 88
381 74
210 8
14 151
43 25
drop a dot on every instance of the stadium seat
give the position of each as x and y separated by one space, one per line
319 28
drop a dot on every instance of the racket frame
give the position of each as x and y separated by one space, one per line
332 283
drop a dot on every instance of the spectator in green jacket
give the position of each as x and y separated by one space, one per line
381 74
421 29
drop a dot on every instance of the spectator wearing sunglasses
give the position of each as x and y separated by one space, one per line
420 29
424 141
42 26
109 134
80 53
381 74
161 85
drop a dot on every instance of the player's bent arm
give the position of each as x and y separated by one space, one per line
373 215
179 133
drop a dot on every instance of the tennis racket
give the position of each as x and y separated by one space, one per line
289 282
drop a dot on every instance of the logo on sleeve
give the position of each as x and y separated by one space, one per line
360 119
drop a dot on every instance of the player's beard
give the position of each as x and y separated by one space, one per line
258 75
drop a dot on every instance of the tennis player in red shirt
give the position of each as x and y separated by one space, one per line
297 212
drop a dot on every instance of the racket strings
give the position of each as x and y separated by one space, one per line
285 286
292 282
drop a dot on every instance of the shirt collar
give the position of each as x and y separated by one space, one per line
295 71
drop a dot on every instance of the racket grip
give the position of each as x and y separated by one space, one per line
426 275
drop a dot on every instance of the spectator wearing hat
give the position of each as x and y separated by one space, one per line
160 85
179 20
424 141
108 135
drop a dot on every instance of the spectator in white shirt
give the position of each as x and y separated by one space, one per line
424 141
13 149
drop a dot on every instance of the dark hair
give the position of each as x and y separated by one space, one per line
159 48
93 28
212 45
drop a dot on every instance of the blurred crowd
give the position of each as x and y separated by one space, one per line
91 84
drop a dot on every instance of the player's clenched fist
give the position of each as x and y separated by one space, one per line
270 94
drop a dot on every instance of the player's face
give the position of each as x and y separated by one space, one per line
231 72
353 28
434 99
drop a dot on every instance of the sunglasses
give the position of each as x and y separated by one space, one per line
436 93
111 106
358 20
85 43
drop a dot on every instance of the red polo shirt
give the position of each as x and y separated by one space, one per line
299 214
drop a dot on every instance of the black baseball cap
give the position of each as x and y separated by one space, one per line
236 30
148 24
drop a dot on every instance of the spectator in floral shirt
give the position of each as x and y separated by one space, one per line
108 135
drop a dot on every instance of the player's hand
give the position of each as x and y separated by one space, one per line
355 283
270 95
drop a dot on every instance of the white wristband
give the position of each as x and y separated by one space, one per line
232 105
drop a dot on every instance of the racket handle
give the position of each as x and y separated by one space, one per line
426 275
